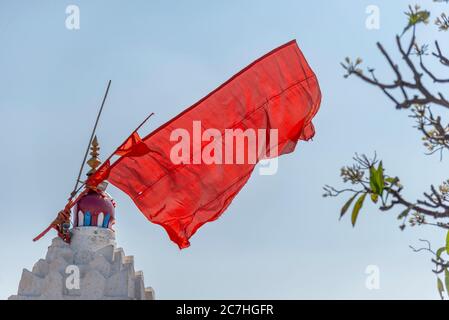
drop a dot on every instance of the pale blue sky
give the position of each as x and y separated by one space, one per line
279 238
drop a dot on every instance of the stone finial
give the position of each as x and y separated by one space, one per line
94 161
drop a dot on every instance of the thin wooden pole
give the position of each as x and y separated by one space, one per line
75 189
143 122
135 130
109 158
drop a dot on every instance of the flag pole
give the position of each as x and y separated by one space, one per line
70 202
143 122
75 189
109 158
135 130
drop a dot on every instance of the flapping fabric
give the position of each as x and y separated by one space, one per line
173 180
133 147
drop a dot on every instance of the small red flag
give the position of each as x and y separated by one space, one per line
100 175
133 147
182 185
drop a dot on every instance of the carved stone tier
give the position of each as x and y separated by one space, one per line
90 267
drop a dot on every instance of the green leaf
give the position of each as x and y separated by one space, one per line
380 177
440 287
358 205
447 242
390 180
393 181
374 197
347 205
376 179
404 213
373 180
440 251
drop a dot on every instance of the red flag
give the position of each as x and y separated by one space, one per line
133 147
180 191
100 175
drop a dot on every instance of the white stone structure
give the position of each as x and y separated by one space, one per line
90 267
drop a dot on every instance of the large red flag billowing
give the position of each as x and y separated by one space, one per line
177 179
